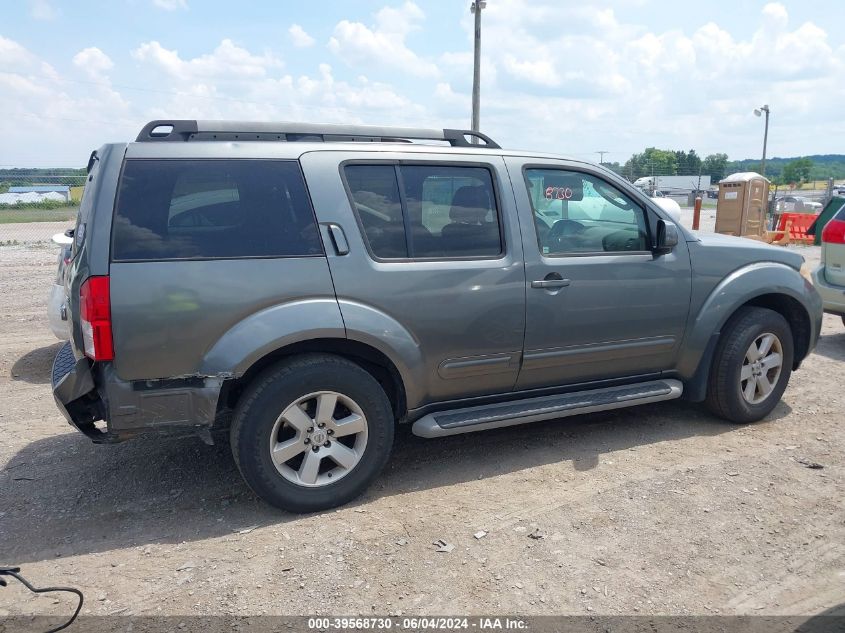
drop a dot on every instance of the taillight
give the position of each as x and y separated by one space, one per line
95 318
834 232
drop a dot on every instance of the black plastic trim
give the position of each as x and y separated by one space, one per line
185 130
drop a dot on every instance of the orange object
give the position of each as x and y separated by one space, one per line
782 239
796 225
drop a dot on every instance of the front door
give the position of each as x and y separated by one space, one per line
600 303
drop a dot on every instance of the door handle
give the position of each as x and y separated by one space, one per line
341 246
550 283
552 280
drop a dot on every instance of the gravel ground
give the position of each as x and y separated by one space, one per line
660 509
31 232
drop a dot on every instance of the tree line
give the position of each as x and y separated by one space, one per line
22 177
781 171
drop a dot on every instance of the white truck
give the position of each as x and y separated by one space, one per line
672 185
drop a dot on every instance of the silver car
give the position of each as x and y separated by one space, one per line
798 204
56 306
829 276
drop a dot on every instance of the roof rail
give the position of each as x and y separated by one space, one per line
184 130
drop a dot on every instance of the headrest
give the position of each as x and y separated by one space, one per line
470 205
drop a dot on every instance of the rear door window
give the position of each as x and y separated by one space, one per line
426 211
209 209
375 196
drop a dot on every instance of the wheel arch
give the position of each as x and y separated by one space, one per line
370 359
788 307
795 314
767 285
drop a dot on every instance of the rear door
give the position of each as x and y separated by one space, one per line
600 303
433 245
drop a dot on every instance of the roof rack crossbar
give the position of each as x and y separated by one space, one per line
184 130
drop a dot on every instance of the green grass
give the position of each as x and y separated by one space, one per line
12 216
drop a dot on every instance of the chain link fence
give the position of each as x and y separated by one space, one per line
37 204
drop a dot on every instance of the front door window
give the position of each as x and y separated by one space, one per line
577 213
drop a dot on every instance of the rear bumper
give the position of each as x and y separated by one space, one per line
833 297
86 393
75 393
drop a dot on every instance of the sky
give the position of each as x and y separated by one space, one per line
569 77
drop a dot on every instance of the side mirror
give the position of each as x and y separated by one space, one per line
667 236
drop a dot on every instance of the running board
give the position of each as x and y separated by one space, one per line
493 416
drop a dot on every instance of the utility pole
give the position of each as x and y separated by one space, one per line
601 154
758 112
475 8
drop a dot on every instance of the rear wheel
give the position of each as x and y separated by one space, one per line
312 433
751 367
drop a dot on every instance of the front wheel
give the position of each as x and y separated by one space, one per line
751 367
312 433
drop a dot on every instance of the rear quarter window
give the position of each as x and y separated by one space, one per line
210 209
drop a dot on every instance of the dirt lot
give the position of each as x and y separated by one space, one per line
660 509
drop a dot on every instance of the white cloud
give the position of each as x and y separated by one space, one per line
227 60
383 44
399 21
20 62
300 37
171 5
594 80
42 10
539 70
776 12
623 85
49 119
235 83
93 61
13 54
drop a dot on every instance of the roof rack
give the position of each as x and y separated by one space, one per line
184 130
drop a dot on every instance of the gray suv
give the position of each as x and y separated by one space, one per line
304 288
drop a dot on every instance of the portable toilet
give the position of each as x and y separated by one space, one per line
742 203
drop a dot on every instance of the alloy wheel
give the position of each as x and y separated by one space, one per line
761 368
318 439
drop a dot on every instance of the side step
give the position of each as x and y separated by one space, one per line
493 416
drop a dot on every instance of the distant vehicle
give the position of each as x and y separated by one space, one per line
664 202
713 192
797 204
668 205
56 308
673 184
829 276
839 190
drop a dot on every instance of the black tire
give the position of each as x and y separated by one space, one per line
283 384
724 393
